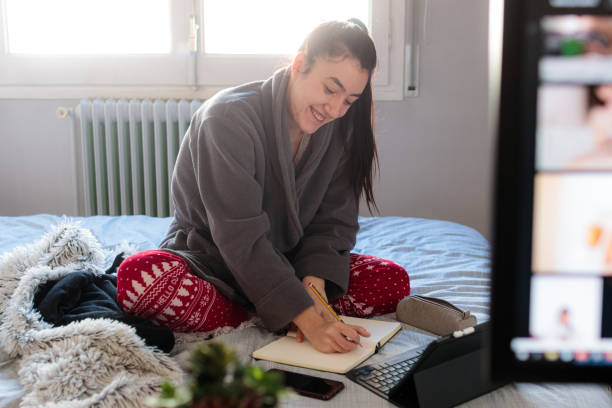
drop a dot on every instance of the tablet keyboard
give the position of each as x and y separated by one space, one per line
383 377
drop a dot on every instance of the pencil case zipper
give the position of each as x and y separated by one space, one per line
445 305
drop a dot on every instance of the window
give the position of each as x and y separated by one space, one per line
174 48
229 32
51 30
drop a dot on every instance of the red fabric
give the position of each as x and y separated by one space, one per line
158 285
376 285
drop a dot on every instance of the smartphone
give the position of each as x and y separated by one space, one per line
309 386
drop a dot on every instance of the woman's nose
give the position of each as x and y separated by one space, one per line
334 108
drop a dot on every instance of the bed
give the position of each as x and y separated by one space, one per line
444 259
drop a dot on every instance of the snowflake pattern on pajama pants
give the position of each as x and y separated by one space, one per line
159 285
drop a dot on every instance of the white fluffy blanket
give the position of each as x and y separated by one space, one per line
90 363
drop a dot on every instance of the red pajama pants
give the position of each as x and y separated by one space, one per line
159 286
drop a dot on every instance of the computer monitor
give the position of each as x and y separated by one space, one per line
552 236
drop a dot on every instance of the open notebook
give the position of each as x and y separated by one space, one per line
288 351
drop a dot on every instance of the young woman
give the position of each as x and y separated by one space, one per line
266 189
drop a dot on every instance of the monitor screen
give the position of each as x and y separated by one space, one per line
553 211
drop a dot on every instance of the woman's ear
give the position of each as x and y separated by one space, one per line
299 63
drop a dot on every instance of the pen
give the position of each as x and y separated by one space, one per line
311 286
316 292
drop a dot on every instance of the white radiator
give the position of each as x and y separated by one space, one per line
129 149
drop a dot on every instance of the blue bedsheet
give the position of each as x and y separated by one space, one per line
443 259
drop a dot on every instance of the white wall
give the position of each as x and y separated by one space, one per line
36 161
435 149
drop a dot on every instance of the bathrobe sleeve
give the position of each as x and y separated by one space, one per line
324 250
227 156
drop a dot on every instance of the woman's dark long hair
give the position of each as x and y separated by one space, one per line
336 39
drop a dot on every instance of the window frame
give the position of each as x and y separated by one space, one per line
182 74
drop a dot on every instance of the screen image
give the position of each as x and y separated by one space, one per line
570 283
566 309
574 127
572 231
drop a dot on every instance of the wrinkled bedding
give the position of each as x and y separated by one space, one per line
444 259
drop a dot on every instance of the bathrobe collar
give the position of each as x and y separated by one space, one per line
292 179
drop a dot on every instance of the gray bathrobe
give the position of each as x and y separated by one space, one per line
249 222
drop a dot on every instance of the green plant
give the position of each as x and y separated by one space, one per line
217 379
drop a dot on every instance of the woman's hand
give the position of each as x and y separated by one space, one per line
320 308
321 327
319 285
328 336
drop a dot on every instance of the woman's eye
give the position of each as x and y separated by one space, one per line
329 91
348 103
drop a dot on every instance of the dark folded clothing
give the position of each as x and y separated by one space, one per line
82 295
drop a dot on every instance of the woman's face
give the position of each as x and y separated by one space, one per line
324 91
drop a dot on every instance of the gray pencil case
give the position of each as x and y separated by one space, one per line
433 315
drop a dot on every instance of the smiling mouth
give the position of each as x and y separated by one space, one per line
317 115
